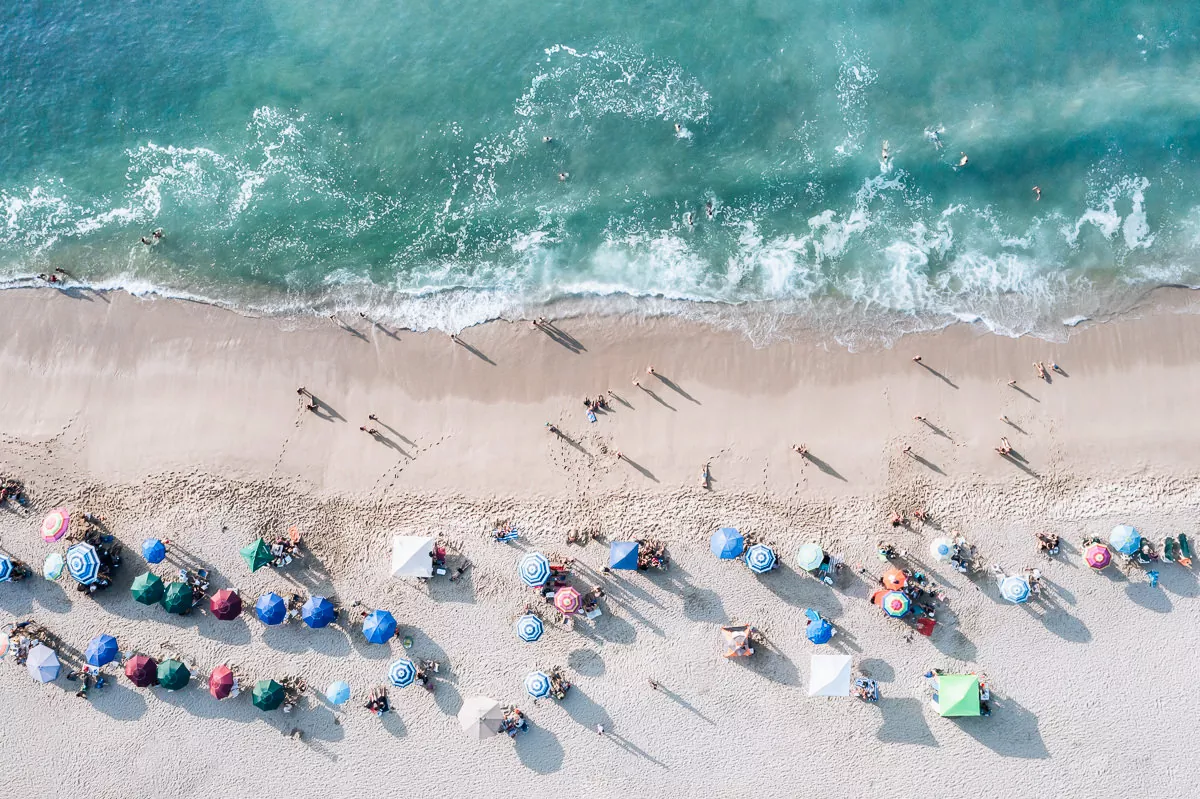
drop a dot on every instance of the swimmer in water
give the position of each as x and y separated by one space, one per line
688 218
934 136
708 209
547 139
562 175
884 154
678 128
962 161
1037 193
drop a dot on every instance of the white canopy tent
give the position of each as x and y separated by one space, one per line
410 556
829 676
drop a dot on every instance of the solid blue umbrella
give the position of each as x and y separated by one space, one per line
5 569
534 569
819 632
760 558
379 626
537 684
1125 539
623 555
318 612
727 543
83 562
154 551
102 650
270 609
529 628
338 693
402 673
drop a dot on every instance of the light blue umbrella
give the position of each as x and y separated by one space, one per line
338 693
42 663
102 650
402 673
270 609
1014 589
760 558
379 626
537 684
534 569
819 632
318 612
529 628
1125 539
83 562
810 557
53 566
154 551
623 555
727 543
5 569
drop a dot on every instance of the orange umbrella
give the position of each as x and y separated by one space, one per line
893 579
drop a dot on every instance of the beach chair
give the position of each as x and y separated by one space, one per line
1169 546
1185 550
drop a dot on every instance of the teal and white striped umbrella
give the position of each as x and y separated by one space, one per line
537 684
534 569
529 628
1014 589
83 562
760 558
402 673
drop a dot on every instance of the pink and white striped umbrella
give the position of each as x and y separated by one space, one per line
54 526
567 600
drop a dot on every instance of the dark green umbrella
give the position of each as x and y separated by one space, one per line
177 598
148 588
256 554
173 675
267 695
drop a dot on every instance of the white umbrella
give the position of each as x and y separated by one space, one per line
830 676
941 549
481 717
410 556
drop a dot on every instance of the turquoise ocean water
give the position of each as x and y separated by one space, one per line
389 157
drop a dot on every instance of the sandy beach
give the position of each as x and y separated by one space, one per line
182 421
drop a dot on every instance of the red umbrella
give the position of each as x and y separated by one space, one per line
567 600
141 671
220 682
226 605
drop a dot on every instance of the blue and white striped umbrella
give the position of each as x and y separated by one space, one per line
534 569
1125 539
537 684
529 628
83 562
760 558
5 569
1014 589
402 673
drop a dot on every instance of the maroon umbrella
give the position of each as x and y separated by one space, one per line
226 605
141 671
220 682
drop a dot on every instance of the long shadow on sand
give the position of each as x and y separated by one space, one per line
539 749
904 722
1011 730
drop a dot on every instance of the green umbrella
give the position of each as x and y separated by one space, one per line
267 695
178 598
256 554
957 695
148 588
173 675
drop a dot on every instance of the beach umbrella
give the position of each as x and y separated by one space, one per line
54 526
226 605
1014 589
829 675
147 588
941 549
760 558
177 598
623 555
895 604
141 671
537 684
42 663
101 651
810 557
481 717
3 645
256 554
567 599
154 551
1125 539
52 567
1097 556
402 673
318 612
6 569
529 628
379 626
534 569
957 695
220 682
83 563
411 556
270 609
338 693
173 675
819 631
893 579
727 543
268 695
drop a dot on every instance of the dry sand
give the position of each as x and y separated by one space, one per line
182 421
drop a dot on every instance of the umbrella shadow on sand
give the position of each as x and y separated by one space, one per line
586 662
119 702
580 707
951 641
297 637
801 590
539 750
904 722
1148 596
769 662
1011 730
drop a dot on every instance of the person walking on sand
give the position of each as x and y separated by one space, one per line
906 450
916 359
800 449
653 685
369 431
373 417
600 729
650 370
919 418
1041 369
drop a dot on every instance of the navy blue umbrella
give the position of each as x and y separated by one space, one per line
318 612
270 609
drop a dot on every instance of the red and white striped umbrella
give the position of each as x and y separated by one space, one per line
567 600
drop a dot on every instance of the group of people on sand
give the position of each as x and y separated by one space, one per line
14 489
